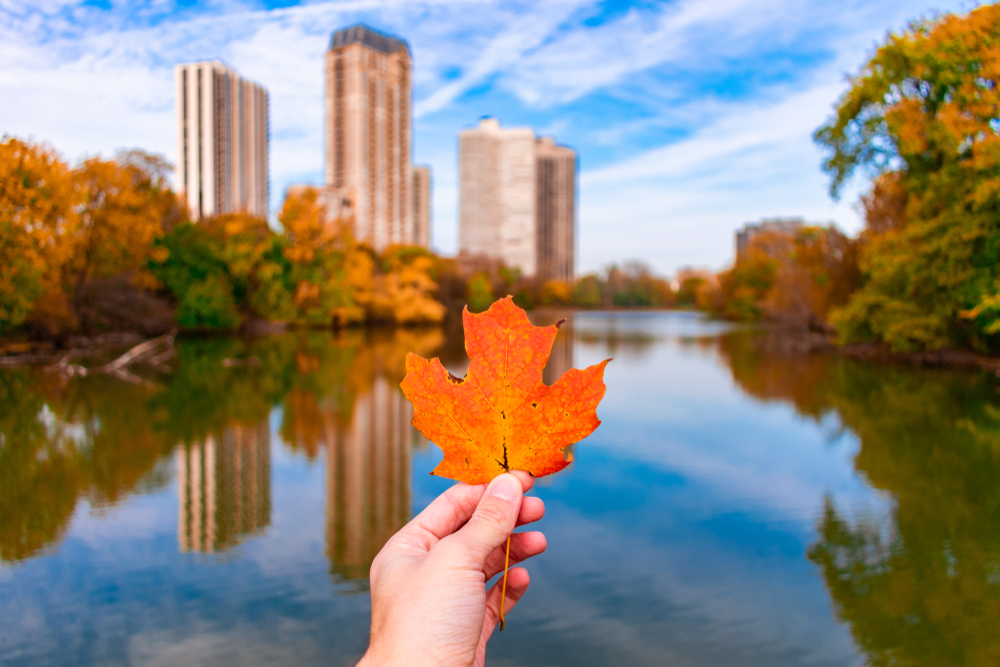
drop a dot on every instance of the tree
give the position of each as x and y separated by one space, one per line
122 213
326 273
480 293
36 215
924 115
587 293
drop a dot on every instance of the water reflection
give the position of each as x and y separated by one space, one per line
921 587
223 488
710 521
358 414
367 478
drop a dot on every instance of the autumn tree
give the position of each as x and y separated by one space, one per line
122 212
36 215
319 250
406 290
923 116
818 273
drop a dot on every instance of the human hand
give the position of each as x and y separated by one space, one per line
430 605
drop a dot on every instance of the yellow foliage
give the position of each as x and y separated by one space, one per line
404 293
121 214
305 221
36 215
557 292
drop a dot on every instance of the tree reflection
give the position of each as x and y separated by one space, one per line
924 590
63 441
100 439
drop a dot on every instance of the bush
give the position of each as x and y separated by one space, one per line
209 304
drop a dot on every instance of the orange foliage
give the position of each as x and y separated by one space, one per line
501 416
885 205
819 273
36 214
121 213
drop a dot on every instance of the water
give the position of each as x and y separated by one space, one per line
735 508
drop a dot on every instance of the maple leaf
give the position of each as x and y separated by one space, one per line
501 416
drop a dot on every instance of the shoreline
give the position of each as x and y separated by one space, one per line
776 337
786 339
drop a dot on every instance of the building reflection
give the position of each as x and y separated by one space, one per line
368 478
561 357
224 488
349 405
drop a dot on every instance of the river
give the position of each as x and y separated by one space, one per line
735 508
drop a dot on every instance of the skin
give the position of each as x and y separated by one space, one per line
430 606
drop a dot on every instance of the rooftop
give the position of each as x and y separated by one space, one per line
373 39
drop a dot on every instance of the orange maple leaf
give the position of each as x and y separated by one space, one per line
501 416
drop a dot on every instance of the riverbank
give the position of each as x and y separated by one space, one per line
777 336
804 339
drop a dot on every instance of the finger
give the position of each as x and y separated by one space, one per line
517 585
527 479
532 510
522 547
491 523
446 514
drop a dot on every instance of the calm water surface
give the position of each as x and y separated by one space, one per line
735 508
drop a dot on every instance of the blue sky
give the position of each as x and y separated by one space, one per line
690 117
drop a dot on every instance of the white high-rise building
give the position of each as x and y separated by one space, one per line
222 141
517 199
368 147
497 193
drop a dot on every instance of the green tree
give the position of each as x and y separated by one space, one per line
209 304
480 293
926 110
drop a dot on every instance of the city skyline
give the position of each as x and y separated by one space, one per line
703 123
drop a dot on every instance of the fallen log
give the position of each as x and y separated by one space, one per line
152 352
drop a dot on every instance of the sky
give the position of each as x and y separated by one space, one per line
690 117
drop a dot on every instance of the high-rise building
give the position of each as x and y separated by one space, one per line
517 199
422 206
555 210
368 148
222 141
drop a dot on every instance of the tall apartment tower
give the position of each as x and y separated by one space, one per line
497 193
222 141
422 206
555 210
368 148
517 199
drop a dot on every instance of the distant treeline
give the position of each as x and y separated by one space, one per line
108 246
922 119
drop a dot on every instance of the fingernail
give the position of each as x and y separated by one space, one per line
505 486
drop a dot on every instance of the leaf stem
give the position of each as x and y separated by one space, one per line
503 593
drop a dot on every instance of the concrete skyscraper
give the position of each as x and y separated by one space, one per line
368 147
555 210
517 199
222 141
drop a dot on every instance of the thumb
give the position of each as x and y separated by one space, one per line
493 521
